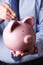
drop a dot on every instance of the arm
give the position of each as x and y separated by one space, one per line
39 35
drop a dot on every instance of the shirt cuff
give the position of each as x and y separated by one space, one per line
1 21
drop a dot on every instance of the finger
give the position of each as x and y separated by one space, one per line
7 6
23 54
27 53
4 17
13 52
9 14
2 12
35 49
7 18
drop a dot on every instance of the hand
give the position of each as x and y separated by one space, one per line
6 12
25 52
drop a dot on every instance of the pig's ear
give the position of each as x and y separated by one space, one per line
14 25
29 20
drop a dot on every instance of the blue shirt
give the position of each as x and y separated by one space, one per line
26 8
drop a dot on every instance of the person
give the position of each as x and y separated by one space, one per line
22 8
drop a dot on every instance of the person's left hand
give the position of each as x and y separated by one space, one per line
25 52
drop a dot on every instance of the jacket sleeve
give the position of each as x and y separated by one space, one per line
39 34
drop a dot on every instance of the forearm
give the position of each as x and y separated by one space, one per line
39 41
39 35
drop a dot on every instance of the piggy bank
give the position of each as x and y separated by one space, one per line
19 37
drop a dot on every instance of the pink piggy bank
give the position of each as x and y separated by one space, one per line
19 37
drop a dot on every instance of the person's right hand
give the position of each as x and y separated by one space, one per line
6 12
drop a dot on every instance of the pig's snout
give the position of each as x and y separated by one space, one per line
28 39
